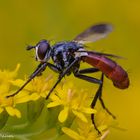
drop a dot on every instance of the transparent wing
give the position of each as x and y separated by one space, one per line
94 33
104 54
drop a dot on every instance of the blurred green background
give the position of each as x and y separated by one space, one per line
27 22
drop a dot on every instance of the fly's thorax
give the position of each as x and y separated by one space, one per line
62 59
80 52
63 53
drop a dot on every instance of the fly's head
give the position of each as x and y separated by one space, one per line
43 50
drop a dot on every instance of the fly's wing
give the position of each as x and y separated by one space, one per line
94 33
100 53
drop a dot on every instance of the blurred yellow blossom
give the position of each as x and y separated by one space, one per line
71 102
8 104
74 104
38 87
5 77
85 131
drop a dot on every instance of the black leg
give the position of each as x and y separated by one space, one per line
41 67
88 70
61 76
101 100
88 78
35 70
38 73
97 95
104 107
93 80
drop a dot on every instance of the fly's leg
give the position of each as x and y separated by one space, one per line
41 67
96 97
99 95
36 73
88 70
88 78
101 100
92 80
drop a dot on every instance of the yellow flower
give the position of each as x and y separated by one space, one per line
9 104
71 102
85 131
5 78
74 106
38 87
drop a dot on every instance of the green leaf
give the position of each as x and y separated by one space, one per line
34 109
52 117
3 119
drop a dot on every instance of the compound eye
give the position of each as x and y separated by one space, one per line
42 49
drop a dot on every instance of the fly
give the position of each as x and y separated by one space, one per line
67 57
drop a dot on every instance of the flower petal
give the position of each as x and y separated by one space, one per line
88 110
17 67
1 109
63 114
4 88
10 111
17 113
35 96
22 97
72 134
80 115
54 97
20 82
17 82
53 104
102 127
13 112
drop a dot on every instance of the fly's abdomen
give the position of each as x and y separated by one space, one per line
119 77
110 68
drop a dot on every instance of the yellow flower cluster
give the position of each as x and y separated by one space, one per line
39 87
85 131
76 103
71 102
8 104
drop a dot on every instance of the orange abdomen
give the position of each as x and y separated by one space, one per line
110 68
